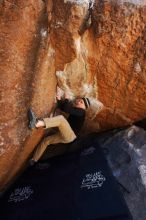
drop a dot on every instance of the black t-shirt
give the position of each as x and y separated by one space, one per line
76 115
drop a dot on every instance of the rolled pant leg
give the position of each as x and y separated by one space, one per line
65 135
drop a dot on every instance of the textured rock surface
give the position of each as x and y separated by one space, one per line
126 157
100 47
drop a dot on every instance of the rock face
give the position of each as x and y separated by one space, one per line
126 157
96 48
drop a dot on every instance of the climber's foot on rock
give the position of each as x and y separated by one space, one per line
32 119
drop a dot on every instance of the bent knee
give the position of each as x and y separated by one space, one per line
70 138
61 117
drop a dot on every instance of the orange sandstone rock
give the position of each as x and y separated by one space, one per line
100 49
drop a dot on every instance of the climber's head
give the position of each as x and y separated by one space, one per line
83 103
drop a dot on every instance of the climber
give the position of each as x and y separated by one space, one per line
68 128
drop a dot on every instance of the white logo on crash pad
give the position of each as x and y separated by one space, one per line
93 180
20 194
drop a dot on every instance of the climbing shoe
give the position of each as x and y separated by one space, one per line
32 119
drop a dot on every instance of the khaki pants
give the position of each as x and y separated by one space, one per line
64 135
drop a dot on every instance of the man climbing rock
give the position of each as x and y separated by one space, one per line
68 128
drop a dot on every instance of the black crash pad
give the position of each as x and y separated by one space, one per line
77 186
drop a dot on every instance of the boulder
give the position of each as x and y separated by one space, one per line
126 154
98 46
